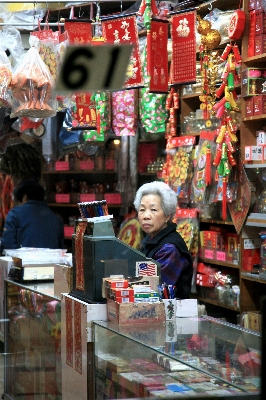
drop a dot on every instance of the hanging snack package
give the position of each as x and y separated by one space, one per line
125 112
102 102
204 172
51 46
5 79
187 225
180 166
31 87
83 110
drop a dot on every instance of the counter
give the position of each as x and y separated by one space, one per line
190 356
63 348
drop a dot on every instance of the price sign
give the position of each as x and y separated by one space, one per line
208 254
220 256
90 68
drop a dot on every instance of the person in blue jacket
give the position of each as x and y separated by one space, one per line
32 223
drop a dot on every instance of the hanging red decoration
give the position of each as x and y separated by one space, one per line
183 65
158 57
123 30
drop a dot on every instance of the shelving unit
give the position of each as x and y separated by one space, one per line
251 286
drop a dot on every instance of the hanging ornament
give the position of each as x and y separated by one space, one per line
172 105
210 38
236 24
148 9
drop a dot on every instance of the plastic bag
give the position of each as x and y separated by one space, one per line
180 166
125 112
51 46
31 87
203 163
187 221
10 38
26 14
5 79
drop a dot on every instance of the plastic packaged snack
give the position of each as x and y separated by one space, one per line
31 87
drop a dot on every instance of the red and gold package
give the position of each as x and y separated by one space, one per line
179 166
187 222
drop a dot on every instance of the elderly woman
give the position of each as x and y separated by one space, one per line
156 203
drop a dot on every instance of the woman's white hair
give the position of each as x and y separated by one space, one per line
167 195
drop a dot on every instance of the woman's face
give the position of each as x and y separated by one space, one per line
150 214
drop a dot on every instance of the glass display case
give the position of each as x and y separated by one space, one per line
32 342
186 357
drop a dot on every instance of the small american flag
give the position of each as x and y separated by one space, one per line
146 269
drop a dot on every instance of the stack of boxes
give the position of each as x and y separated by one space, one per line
217 244
257 152
257 29
253 91
119 290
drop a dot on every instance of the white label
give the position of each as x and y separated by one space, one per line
251 243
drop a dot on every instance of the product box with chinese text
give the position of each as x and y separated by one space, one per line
135 313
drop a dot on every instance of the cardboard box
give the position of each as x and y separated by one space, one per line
63 279
249 107
256 153
260 44
250 253
251 81
187 308
251 34
252 320
259 104
135 313
247 153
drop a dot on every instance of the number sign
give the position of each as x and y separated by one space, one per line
89 68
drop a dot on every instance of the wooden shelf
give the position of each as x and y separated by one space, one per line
215 221
256 219
252 277
219 263
255 165
217 303
79 172
254 118
259 58
190 96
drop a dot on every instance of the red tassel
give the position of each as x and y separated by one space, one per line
224 202
208 166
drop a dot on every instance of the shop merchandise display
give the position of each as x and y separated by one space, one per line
218 98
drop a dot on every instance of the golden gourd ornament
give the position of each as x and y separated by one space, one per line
210 38
204 26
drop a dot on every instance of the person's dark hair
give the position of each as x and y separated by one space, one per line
31 188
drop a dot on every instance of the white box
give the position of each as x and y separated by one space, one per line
261 137
247 153
187 308
256 153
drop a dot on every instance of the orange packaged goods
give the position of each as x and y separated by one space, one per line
118 292
130 299
116 283
31 87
